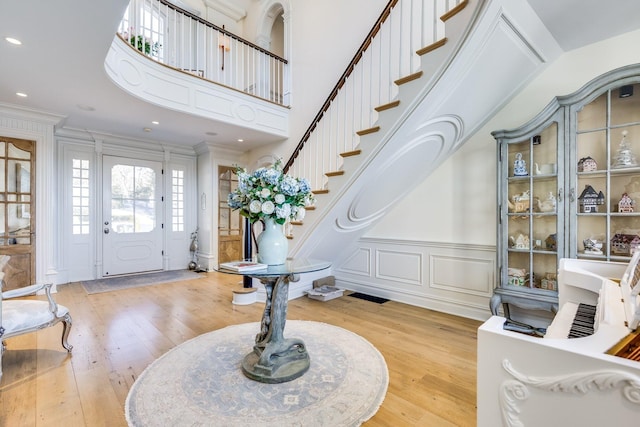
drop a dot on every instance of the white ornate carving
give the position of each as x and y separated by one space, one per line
510 392
577 383
422 150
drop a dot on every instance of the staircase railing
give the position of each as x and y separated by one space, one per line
186 42
390 53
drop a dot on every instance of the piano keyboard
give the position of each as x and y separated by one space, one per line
582 325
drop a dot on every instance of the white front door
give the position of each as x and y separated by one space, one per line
132 216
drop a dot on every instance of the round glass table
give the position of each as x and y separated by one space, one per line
276 359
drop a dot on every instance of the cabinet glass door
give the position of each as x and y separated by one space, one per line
533 241
608 176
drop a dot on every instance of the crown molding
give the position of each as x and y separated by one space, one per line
227 8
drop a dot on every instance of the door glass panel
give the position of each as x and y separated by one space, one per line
532 226
144 214
133 199
625 107
2 179
18 153
594 114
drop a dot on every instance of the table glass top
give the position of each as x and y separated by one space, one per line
291 266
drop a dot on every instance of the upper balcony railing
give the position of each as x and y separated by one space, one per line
188 43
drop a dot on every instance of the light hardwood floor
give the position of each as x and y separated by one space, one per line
431 356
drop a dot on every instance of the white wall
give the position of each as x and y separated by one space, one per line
457 203
324 36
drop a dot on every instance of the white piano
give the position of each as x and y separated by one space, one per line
524 380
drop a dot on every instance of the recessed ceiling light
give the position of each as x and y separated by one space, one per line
21 94
155 122
147 129
86 107
240 140
13 41
211 133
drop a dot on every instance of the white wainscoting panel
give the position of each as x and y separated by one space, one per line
401 266
359 263
452 278
466 275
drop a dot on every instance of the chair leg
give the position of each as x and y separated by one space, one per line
66 328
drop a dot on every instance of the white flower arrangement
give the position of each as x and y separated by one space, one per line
269 193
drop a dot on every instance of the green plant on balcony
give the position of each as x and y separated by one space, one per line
143 44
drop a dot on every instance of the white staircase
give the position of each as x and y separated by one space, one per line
492 50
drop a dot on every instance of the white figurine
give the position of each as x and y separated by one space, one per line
519 166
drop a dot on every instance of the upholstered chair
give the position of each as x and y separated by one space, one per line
22 316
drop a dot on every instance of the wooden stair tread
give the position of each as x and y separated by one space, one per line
368 131
296 223
244 290
450 14
324 191
351 153
408 78
387 106
432 47
334 173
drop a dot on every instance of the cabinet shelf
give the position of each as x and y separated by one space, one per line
600 173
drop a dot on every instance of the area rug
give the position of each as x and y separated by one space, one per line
134 281
200 382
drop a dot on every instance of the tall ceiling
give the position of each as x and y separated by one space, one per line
60 65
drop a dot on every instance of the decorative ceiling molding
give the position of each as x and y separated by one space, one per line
227 8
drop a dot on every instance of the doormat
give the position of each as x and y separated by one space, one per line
366 297
135 281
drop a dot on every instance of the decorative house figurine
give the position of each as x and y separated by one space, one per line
549 282
520 202
590 199
625 244
624 157
521 241
517 276
626 204
587 164
592 246
519 166
551 242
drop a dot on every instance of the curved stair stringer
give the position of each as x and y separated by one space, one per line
411 89
502 49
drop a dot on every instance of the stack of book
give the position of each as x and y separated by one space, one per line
243 266
325 293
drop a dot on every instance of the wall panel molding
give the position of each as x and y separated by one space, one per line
449 277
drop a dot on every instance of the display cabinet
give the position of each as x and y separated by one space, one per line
568 186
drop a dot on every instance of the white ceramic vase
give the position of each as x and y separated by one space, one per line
272 243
